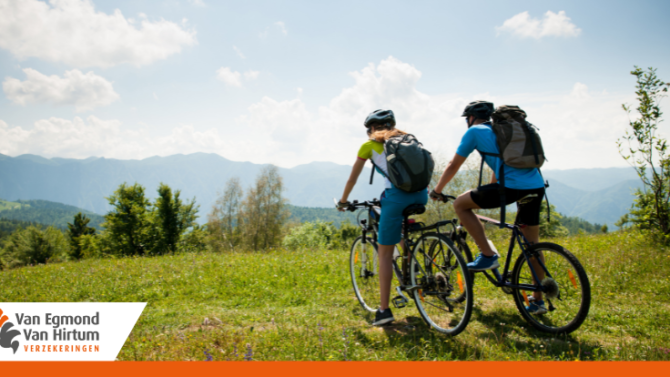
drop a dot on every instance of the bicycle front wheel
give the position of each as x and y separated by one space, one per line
441 283
364 268
568 297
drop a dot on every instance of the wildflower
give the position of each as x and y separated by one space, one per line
208 356
249 355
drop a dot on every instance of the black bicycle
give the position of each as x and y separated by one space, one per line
433 271
552 270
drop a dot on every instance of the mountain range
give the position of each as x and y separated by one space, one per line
596 195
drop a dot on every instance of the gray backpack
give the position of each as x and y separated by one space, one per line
520 147
410 166
519 143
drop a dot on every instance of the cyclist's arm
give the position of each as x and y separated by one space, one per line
449 172
353 177
493 178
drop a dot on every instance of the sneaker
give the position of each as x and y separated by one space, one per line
382 318
483 263
536 307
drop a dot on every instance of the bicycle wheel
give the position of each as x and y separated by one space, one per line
459 241
364 268
444 292
568 308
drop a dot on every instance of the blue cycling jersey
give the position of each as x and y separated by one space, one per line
482 138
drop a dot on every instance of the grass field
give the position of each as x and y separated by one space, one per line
299 305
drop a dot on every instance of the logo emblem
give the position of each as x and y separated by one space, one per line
7 334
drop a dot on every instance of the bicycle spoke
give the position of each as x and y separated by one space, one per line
567 292
438 267
364 273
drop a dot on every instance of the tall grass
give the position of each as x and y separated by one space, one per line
299 305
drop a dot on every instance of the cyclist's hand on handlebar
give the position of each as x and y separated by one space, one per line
342 206
436 196
441 197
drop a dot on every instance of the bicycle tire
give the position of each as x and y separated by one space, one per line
444 296
364 270
567 311
463 247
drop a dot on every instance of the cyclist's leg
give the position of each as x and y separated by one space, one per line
385 274
393 202
463 207
528 213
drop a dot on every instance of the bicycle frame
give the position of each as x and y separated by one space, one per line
517 237
371 225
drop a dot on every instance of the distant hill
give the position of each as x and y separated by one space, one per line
86 183
604 206
591 179
597 195
311 214
45 212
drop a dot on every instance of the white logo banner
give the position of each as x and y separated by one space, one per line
55 331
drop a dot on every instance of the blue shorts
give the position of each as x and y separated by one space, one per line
394 201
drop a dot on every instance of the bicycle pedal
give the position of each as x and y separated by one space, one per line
399 302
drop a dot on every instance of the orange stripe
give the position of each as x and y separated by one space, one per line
328 368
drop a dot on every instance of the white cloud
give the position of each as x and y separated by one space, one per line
230 77
84 91
72 32
579 127
79 138
234 78
282 27
553 24
239 53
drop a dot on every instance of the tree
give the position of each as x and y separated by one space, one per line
172 219
647 153
264 212
552 227
222 221
34 246
129 222
78 228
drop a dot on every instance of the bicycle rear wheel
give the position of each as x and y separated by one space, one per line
443 291
364 268
569 283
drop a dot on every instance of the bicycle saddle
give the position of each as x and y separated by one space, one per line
414 209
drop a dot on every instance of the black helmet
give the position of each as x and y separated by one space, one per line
480 109
380 117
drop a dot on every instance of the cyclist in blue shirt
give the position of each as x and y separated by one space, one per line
523 186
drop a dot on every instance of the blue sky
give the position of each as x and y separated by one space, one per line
290 82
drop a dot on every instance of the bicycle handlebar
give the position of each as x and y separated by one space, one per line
441 197
352 206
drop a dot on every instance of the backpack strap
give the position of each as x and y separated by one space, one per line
372 174
546 199
501 184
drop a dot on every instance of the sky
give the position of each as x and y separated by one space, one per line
291 82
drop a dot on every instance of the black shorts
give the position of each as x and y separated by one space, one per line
528 202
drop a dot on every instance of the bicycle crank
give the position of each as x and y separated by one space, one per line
401 300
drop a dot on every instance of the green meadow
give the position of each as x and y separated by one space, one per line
299 305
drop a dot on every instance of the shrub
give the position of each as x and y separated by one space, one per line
34 246
321 234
